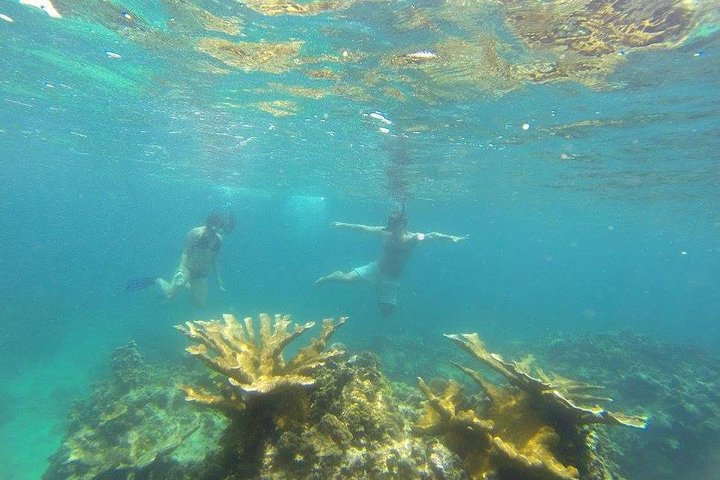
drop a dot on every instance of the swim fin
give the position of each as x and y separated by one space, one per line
139 283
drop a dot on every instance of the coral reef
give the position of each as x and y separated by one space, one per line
133 424
679 384
554 393
323 414
536 428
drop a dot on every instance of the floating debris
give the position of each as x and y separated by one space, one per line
422 55
17 103
379 116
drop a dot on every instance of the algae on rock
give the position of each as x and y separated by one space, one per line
135 424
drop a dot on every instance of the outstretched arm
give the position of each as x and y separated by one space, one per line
358 227
443 236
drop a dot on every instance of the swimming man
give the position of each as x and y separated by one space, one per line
385 273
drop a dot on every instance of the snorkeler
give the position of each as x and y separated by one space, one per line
198 257
385 273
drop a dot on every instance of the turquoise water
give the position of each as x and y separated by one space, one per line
591 204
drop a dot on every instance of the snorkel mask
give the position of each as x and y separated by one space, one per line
217 223
397 220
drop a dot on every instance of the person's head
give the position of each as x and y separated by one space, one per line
217 223
397 221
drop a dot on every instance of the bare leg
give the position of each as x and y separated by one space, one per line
339 277
198 291
170 289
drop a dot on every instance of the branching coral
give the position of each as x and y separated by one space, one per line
553 393
254 364
444 413
260 392
484 444
534 429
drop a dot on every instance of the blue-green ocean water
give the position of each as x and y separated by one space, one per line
118 135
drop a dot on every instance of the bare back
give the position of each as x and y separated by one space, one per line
396 252
201 251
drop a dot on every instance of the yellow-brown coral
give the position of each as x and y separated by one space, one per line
254 364
553 393
516 443
444 412
533 429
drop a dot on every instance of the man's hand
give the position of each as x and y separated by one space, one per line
456 239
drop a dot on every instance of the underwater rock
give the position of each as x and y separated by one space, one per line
358 428
589 39
267 57
128 367
128 429
284 7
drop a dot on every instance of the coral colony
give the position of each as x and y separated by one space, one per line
325 414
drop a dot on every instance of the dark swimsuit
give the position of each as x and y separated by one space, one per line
211 244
